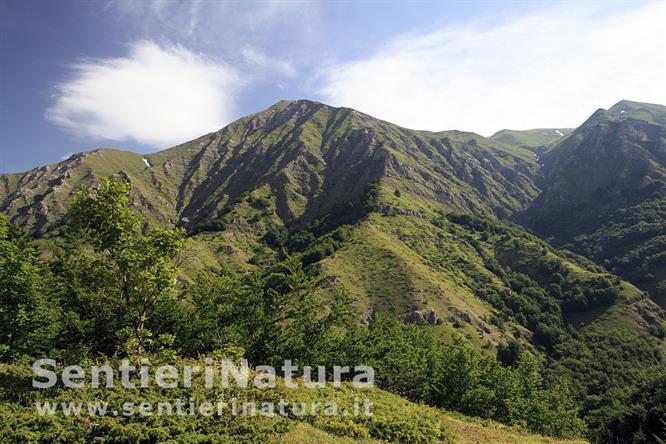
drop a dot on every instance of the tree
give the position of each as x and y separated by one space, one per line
29 319
511 353
643 418
139 268
401 354
274 316
300 323
225 310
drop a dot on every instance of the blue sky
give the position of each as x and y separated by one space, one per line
146 75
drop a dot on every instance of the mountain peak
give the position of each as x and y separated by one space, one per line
294 104
631 104
649 112
536 140
309 158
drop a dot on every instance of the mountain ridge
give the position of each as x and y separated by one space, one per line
311 160
303 137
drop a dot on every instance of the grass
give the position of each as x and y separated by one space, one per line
476 431
534 140
393 264
393 418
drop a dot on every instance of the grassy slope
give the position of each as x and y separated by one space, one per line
393 418
402 263
397 261
534 140
648 112
390 266
40 197
463 430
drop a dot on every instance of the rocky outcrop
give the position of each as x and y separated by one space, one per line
421 317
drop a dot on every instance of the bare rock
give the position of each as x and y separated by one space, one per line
420 317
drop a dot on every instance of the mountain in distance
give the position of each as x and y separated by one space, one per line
412 223
536 140
603 193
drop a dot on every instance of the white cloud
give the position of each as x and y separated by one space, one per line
271 65
548 70
290 28
194 16
156 95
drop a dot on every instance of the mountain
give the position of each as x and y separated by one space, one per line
604 193
39 198
409 222
305 169
535 140
649 112
307 155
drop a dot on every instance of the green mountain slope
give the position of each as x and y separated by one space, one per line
491 283
39 198
488 282
604 193
408 222
536 140
310 157
306 168
313 157
648 112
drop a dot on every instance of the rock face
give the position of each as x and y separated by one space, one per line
312 159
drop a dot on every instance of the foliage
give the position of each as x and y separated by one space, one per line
273 316
643 418
140 266
410 361
94 293
110 291
29 320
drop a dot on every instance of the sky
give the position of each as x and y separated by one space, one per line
147 75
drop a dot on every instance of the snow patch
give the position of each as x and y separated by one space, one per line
146 162
623 111
559 133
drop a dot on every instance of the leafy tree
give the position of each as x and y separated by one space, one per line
409 360
225 308
401 354
137 269
643 418
29 318
273 316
